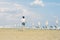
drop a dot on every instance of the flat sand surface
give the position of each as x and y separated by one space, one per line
15 34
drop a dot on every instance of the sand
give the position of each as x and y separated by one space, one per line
15 34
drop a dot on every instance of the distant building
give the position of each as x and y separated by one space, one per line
46 24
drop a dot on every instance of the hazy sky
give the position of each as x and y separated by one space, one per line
34 11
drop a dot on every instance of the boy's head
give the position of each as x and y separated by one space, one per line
23 16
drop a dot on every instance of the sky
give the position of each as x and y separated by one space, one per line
11 12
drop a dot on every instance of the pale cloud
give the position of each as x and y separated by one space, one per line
5 3
53 3
5 6
24 10
37 2
15 7
18 6
3 9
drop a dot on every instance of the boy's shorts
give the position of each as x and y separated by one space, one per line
23 23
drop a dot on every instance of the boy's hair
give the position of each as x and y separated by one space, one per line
23 16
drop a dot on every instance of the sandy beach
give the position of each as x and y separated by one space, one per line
17 34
